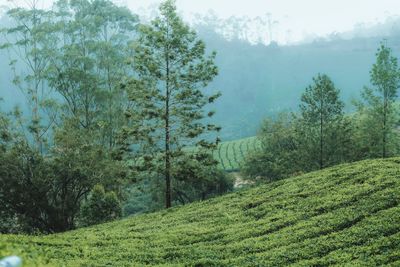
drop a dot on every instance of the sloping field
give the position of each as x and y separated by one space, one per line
231 154
345 216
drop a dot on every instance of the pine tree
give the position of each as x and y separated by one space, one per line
167 112
321 112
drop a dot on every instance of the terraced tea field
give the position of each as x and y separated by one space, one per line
348 215
231 154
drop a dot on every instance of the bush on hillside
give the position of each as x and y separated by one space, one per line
100 207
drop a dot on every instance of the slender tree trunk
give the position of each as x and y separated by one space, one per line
384 127
321 146
110 112
167 161
168 200
321 130
36 116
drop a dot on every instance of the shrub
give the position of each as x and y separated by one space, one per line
100 207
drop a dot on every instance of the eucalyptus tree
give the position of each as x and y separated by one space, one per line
29 41
90 62
116 30
167 110
80 55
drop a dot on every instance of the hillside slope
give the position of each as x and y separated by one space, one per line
232 154
346 215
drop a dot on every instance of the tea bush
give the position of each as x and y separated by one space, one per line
347 215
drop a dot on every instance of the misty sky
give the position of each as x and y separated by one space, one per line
301 17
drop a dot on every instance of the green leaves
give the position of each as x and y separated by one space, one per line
320 136
73 60
347 215
212 98
378 111
321 115
167 102
100 207
321 101
29 41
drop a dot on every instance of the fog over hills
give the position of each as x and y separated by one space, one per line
259 78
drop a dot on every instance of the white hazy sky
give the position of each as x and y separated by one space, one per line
302 17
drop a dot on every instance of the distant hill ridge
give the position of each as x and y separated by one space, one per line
258 80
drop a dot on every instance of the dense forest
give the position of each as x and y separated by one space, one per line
107 115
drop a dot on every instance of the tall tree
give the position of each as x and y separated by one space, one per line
29 42
379 104
87 67
83 60
167 111
321 111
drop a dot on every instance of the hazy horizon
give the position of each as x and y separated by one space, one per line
295 21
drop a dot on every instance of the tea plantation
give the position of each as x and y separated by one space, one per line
230 154
348 215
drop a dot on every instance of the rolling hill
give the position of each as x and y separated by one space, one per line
348 215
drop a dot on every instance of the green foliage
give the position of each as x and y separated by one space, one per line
142 197
231 154
89 64
378 112
196 177
75 57
29 42
5 131
167 102
348 215
321 112
100 207
25 179
320 136
45 192
278 156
